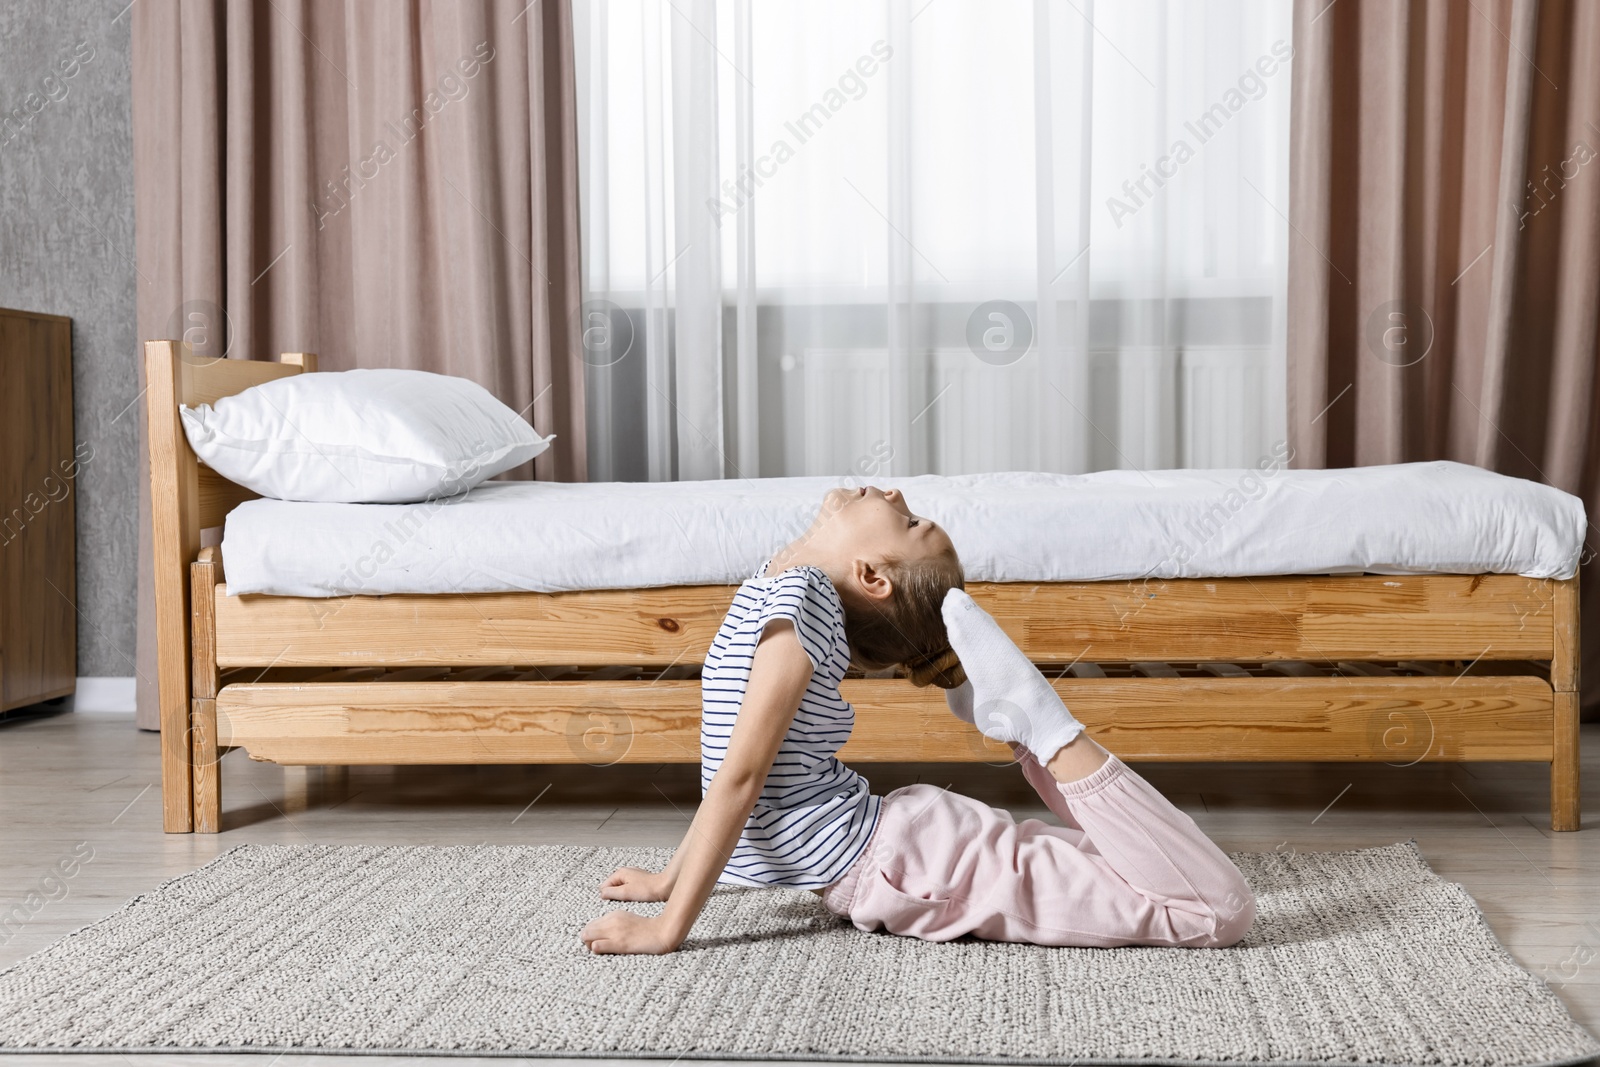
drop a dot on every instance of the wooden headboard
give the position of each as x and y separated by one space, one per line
187 497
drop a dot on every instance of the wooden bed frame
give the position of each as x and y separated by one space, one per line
1321 668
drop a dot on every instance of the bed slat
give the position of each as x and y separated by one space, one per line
205 381
1395 720
1447 617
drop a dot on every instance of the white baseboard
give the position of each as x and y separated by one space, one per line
105 695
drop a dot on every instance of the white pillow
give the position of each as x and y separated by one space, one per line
382 436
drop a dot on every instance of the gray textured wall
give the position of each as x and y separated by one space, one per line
66 247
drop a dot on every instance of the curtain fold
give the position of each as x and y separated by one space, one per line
1444 275
387 185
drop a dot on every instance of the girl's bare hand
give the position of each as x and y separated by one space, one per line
631 883
625 933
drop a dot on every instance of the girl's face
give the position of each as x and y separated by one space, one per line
871 523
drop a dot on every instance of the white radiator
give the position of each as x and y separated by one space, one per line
837 411
1150 407
1232 405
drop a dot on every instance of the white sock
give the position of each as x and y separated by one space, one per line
1004 695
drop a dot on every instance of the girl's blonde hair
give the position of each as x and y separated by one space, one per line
908 629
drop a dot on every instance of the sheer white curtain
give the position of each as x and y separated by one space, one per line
835 237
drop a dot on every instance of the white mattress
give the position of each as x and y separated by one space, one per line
1009 527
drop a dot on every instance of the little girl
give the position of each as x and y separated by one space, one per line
874 584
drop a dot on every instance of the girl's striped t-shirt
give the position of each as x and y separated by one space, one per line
814 814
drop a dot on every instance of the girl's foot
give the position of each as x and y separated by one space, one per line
1004 696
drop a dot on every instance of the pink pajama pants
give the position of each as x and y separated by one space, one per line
1126 868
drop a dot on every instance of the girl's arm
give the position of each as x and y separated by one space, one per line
779 674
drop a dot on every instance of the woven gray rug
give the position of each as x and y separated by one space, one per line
1356 957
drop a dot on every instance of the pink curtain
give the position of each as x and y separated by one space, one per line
385 184
1444 266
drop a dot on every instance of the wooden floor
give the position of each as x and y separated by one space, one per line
69 778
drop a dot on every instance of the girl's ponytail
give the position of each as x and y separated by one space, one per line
940 668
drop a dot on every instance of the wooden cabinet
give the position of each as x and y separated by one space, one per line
38 491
